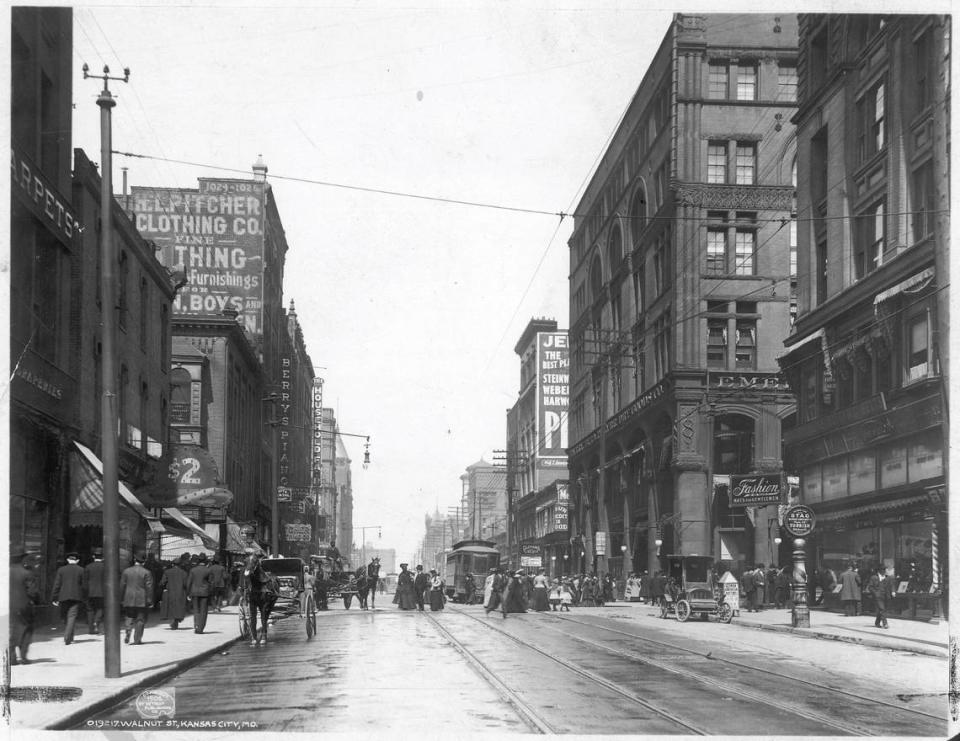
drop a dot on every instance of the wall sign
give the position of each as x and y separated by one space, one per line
799 521
755 491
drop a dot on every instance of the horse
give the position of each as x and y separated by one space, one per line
262 590
373 576
363 586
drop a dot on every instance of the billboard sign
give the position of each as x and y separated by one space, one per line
553 398
216 234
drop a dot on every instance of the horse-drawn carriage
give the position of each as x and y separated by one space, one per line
338 581
273 588
692 588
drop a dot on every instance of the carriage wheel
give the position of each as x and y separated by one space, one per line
311 617
683 610
244 614
725 613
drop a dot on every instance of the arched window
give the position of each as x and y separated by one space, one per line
638 214
615 250
596 279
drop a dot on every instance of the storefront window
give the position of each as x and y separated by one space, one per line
835 479
863 474
893 466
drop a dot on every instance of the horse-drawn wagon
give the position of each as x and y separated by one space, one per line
273 588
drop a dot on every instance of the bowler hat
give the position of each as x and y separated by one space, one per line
138 557
419 567
97 552
202 558
73 554
404 565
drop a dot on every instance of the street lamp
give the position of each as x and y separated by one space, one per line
366 446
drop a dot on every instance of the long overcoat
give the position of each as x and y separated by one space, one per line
173 604
850 585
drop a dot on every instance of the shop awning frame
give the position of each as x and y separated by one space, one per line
874 508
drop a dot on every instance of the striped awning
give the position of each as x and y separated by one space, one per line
914 282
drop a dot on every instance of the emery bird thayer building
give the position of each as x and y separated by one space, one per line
681 294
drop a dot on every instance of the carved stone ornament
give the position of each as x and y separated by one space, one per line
735 197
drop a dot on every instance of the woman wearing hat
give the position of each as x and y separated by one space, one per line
513 595
406 600
437 597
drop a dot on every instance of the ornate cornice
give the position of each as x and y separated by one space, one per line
745 197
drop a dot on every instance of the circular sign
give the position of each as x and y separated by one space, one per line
799 521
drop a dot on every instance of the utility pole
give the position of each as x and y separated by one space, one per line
109 410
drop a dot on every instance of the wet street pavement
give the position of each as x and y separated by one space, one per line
389 672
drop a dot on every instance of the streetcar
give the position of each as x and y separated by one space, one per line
475 557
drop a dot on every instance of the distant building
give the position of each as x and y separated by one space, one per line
536 460
868 355
681 292
484 502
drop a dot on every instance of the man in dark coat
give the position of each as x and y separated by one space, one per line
497 584
850 594
173 603
421 582
217 583
198 587
136 598
881 587
93 588
68 594
24 595
470 588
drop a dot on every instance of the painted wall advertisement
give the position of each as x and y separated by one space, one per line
531 555
562 508
216 234
553 397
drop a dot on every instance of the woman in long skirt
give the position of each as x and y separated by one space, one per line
405 596
540 587
437 598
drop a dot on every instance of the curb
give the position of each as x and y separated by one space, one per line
80 714
808 633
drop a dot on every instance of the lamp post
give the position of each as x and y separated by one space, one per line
363 539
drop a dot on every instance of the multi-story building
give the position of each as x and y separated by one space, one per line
343 504
484 502
294 423
536 461
867 357
45 243
145 291
228 238
680 297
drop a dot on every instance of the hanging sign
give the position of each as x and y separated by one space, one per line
754 491
600 543
799 521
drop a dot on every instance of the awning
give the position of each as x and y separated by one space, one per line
190 526
173 546
820 334
86 491
874 507
916 281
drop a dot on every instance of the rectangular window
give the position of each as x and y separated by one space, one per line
639 289
719 80
787 82
746 82
717 162
661 340
717 343
639 361
821 275
918 344
743 255
870 122
793 247
870 240
922 71
716 252
922 202
746 350
746 163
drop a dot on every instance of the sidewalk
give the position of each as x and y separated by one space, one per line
64 684
916 636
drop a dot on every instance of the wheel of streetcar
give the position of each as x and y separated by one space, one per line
311 617
683 610
726 613
244 615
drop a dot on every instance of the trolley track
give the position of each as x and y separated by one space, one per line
849 721
532 716
815 686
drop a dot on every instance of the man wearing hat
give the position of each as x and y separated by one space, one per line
173 600
93 588
68 593
136 598
24 595
198 587
421 583
217 583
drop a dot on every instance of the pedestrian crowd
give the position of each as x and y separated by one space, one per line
415 591
194 584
